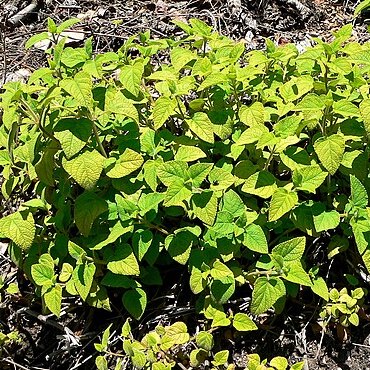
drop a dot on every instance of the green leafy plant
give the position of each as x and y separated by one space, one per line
166 347
277 363
8 338
230 163
342 308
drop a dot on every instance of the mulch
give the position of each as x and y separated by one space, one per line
68 343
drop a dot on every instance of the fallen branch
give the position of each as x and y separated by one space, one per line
24 13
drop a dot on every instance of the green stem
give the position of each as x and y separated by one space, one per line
96 134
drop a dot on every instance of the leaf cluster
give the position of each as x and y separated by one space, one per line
228 162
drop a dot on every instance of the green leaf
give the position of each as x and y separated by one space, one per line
296 274
127 163
220 178
80 88
223 284
197 282
123 261
53 299
20 228
291 250
76 251
45 167
189 154
345 108
130 77
231 202
330 151
83 276
141 242
255 239
320 288
163 109
261 183
220 319
197 357
311 102
150 173
198 173
252 115
279 363
309 178
359 194
173 171
215 78
85 169
67 24
73 134
180 57
265 293
202 126
43 274
36 38
72 57
242 322
178 332
204 340
220 358
135 301
365 114
224 224
117 230
179 245
361 233
101 363
116 102
200 28
204 206
88 206
361 6
176 194
282 202
326 221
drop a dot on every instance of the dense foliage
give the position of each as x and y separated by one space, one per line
237 164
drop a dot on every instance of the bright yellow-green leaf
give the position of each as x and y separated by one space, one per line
189 154
204 206
53 299
72 134
204 340
202 126
20 228
82 278
265 293
282 202
124 262
242 322
116 102
261 183
309 178
252 115
130 77
127 163
330 151
164 108
80 88
85 169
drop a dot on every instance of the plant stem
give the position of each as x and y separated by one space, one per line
96 133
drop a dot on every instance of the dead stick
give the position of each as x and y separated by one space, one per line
17 18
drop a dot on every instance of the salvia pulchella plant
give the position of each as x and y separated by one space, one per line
235 164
